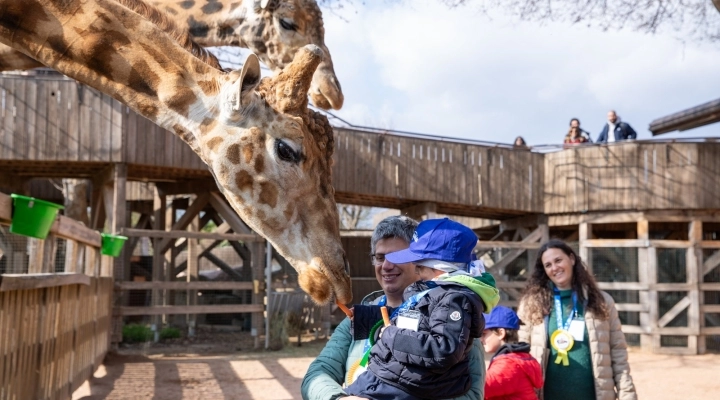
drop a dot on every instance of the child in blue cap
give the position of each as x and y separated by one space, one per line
423 353
513 373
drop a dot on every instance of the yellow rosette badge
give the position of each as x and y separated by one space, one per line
562 341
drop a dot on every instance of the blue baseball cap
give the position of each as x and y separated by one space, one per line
502 317
438 239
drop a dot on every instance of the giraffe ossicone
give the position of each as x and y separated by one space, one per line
271 157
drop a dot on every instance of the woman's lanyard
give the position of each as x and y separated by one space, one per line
558 310
561 340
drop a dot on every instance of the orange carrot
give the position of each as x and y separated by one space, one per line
344 309
386 317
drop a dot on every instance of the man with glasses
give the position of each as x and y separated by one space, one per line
329 373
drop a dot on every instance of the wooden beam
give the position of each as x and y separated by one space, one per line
694 273
5 208
504 285
492 244
631 307
234 275
179 285
190 213
711 308
187 187
711 263
533 237
674 311
615 243
228 214
194 235
10 282
67 228
622 286
417 211
527 221
202 309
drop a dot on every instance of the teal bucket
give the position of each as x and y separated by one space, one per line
32 217
112 244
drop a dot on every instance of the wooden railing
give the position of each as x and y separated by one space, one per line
54 327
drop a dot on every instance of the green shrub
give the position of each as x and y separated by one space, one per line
134 333
169 333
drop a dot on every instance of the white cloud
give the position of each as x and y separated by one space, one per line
426 68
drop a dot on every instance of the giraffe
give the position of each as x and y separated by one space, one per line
270 155
274 30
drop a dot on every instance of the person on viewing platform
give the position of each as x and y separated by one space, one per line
573 330
574 136
519 142
575 123
421 352
338 362
616 130
513 373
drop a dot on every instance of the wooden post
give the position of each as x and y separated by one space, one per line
652 298
159 205
646 340
585 233
192 273
694 264
258 267
114 195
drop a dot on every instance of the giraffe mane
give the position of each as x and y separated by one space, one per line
319 126
164 22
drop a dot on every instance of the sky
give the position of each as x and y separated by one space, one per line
419 66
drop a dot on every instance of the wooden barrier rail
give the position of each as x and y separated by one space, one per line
54 327
54 333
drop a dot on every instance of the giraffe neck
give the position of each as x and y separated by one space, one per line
122 54
217 23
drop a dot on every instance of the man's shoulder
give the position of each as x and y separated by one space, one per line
373 298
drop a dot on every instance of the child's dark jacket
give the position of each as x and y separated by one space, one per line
432 362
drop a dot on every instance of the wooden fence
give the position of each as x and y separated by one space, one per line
54 327
666 291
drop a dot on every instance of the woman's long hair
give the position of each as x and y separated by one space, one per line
538 298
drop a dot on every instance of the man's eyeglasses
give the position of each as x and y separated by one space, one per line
377 259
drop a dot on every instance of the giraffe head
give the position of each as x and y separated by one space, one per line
281 27
276 170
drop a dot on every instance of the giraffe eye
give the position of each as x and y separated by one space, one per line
288 25
286 153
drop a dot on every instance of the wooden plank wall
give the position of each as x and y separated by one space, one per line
53 338
632 176
56 119
426 170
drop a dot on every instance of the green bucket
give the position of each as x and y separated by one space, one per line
112 244
32 217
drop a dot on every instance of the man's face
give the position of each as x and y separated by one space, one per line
612 117
393 278
574 123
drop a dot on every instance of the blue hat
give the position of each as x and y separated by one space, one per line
502 317
438 239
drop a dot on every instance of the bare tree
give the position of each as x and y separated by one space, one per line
692 19
352 215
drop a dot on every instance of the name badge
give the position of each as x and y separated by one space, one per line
577 329
409 319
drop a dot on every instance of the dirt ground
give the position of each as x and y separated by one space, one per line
187 372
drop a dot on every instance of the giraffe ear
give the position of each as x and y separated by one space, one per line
249 79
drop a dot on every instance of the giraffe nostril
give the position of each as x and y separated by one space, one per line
347 265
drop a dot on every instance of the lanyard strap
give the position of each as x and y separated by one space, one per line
406 305
558 310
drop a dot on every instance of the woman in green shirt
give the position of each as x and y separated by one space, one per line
574 330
